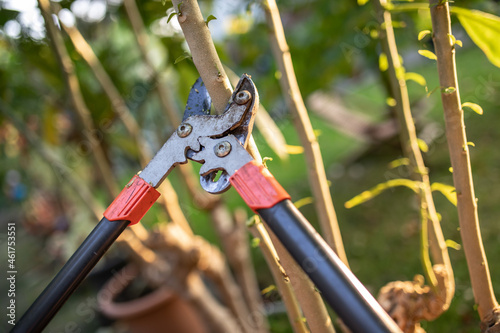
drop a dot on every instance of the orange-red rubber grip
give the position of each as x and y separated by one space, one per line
257 186
133 202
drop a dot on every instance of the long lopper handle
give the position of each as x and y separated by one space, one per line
70 276
354 304
127 209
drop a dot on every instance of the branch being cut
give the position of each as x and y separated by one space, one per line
317 176
202 198
488 308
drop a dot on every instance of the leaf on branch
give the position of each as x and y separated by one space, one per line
422 145
427 54
183 57
452 244
210 18
268 289
303 202
470 143
362 2
171 16
255 242
410 76
454 41
447 190
294 150
483 29
373 192
448 90
423 33
399 162
390 101
265 160
473 106
383 64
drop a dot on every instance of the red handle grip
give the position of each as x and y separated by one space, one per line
133 202
257 186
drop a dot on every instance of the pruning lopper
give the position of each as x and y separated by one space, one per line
218 142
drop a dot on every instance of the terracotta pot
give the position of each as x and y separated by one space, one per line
161 311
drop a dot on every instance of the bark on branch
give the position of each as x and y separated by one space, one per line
477 263
316 171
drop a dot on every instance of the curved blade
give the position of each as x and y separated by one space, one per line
199 101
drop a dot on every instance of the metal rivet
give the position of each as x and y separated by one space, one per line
184 130
222 149
242 97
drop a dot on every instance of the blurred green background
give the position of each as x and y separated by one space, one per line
333 52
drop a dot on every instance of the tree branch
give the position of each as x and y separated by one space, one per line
460 161
443 287
317 176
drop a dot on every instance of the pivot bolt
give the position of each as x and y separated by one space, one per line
242 97
184 130
222 149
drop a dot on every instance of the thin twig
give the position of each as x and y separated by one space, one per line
444 288
316 171
488 307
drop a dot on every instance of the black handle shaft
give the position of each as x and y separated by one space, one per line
342 290
70 276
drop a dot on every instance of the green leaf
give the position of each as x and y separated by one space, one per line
423 33
182 57
383 64
362 2
447 190
452 244
470 143
416 78
483 29
473 106
210 18
171 16
422 145
448 90
373 192
390 101
431 92
399 162
255 242
294 150
268 289
302 202
427 54
265 160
